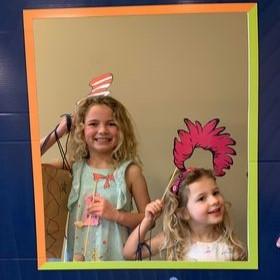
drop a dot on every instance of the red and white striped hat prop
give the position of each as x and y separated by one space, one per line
101 84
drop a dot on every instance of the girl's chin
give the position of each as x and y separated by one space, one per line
217 218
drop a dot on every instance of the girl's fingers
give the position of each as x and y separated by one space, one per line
155 206
159 203
97 198
94 208
158 208
94 204
154 210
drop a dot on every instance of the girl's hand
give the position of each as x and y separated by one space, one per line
65 124
103 208
62 128
153 210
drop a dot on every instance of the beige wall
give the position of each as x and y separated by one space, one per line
166 68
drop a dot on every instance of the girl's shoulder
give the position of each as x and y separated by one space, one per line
129 168
133 171
133 168
121 169
77 164
128 172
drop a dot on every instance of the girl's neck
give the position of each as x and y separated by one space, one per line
101 162
208 234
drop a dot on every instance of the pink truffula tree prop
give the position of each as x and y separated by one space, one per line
208 137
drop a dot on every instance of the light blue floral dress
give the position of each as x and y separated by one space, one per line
91 238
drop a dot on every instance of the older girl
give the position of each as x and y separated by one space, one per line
106 176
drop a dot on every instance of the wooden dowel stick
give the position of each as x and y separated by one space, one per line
86 240
169 183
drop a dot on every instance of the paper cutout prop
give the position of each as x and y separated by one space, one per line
208 137
90 219
56 188
101 84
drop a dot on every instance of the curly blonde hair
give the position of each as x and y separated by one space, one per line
127 145
176 227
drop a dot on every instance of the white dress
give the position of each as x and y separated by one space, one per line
215 251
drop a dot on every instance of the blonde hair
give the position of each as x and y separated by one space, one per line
177 231
127 144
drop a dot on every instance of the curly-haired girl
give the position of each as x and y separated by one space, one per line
196 224
106 176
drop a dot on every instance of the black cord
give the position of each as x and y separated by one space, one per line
63 153
65 162
69 126
141 245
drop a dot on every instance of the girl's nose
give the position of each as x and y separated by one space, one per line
102 128
213 200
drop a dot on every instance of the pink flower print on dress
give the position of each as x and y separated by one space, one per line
89 219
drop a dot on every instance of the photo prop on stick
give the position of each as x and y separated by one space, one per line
99 86
208 137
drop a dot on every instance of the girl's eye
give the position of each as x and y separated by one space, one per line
201 198
112 124
93 124
217 192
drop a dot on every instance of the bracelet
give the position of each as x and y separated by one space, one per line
141 245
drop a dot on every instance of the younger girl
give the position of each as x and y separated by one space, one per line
196 225
106 175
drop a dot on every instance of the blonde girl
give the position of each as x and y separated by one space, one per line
106 176
196 223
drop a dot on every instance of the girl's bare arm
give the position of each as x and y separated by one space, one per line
152 211
138 187
50 139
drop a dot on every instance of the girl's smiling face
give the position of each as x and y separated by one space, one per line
205 204
101 130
